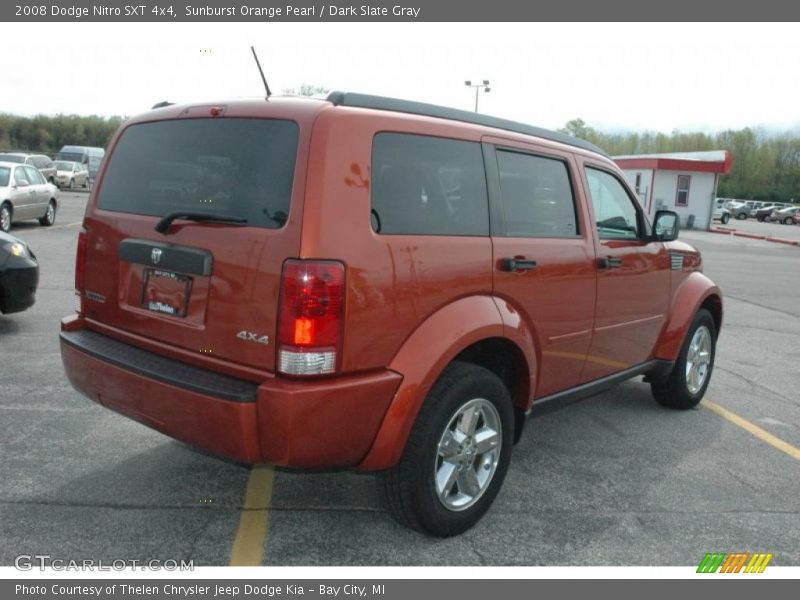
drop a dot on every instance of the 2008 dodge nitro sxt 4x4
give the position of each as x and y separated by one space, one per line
368 283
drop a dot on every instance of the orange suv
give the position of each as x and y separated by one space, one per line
369 283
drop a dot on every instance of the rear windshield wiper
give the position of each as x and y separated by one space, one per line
163 225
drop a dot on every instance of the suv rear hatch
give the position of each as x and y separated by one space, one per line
209 284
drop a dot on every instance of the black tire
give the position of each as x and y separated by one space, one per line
676 391
5 217
788 221
50 216
725 218
741 216
409 489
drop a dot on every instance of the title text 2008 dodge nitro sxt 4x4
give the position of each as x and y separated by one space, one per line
368 283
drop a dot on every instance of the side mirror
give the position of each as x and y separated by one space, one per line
666 225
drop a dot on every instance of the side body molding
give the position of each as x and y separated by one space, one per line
421 359
690 295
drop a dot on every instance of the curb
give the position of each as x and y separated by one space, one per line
753 236
784 241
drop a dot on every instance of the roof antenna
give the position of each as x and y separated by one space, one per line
264 79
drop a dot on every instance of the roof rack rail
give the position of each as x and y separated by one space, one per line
432 110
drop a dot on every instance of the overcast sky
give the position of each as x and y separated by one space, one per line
628 76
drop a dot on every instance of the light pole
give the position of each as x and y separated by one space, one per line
478 86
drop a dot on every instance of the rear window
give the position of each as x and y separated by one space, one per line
240 168
428 186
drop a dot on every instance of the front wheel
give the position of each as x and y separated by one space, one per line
725 218
456 456
741 216
688 381
788 221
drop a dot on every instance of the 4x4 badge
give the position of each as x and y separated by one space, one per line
155 255
249 336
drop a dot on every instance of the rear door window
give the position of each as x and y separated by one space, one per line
428 186
231 167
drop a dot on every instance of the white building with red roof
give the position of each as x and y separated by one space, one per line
685 182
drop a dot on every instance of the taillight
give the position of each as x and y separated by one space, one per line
80 262
311 316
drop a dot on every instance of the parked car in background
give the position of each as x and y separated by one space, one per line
784 215
71 174
19 275
25 194
762 214
721 214
738 210
90 156
40 161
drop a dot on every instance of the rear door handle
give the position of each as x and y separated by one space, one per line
517 263
609 262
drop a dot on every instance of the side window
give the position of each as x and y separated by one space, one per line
428 186
537 196
20 174
682 196
614 210
34 177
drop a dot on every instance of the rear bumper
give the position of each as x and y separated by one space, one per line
301 424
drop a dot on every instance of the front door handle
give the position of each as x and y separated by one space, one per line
517 263
609 262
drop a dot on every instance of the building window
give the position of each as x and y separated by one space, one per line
682 196
638 185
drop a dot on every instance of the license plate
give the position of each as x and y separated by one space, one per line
166 292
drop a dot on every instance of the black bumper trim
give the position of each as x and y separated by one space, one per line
160 368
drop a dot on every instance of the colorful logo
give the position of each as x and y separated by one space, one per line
734 562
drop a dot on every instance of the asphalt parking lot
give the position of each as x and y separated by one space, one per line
614 480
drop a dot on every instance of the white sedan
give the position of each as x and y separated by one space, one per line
71 174
25 194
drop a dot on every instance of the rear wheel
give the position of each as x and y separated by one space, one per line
741 216
5 217
456 456
688 381
50 216
725 218
788 221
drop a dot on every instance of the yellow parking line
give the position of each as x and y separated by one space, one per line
752 428
248 547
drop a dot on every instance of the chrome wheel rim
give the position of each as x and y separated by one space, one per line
468 454
5 219
51 213
698 359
